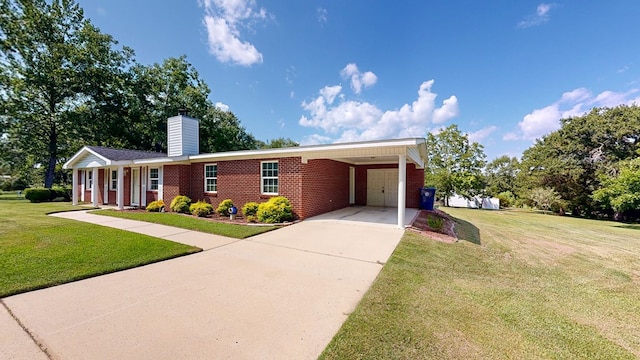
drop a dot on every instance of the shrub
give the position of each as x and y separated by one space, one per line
180 204
223 208
252 218
36 195
250 209
58 193
276 210
507 199
201 209
156 206
436 223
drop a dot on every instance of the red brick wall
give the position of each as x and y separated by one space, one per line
415 180
175 181
325 187
239 180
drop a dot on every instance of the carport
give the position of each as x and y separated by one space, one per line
385 173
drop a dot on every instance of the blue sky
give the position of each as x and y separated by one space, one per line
332 71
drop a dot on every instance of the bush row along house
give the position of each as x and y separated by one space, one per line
316 179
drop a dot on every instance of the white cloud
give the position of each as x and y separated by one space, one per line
223 20
322 16
481 134
349 120
222 106
540 17
358 79
315 139
571 104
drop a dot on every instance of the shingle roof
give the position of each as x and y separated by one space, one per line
123 154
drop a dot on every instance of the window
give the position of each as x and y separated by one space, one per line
211 177
154 176
269 177
89 183
114 180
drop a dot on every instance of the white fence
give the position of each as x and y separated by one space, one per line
474 203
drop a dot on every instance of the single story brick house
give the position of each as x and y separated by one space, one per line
316 179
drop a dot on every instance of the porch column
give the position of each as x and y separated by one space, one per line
94 187
74 184
106 180
160 176
402 189
120 190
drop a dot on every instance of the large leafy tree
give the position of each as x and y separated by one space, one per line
621 191
53 62
454 164
500 175
571 159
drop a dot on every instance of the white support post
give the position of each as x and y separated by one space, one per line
94 187
144 173
402 189
120 190
160 176
105 186
74 184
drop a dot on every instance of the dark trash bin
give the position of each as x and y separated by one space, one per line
427 198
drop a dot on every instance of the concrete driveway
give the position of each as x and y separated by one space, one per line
279 295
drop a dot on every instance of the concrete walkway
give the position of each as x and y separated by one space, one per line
279 295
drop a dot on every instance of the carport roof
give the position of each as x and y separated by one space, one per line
358 153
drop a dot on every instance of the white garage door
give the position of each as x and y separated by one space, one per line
382 187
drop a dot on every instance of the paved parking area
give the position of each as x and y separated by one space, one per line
279 295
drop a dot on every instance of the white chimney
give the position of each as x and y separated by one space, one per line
183 136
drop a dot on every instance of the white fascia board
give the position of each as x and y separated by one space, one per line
302 150
80 153
164 160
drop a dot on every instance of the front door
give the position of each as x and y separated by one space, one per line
135 187
382 187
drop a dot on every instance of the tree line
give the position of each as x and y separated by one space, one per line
589 167
65 84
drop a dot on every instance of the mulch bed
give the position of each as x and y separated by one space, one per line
446 234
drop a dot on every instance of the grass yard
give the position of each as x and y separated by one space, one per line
39 251
190 223
523 286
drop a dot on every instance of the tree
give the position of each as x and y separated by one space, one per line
500 175
454 165
221 131
278 143
544 198
621 192
571 159
53 61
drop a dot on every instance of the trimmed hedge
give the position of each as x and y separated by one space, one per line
276 210
181 204
201 209
223 208
250 209
156 206
36 195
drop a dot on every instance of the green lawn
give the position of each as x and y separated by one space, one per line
523 286
38 251
190 223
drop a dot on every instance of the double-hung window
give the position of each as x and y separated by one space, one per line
269 177
114 180
154 176
211 178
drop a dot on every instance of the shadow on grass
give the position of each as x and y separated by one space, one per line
629 226
467 231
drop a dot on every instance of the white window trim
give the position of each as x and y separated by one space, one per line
111 180
262 178
205 178
157 179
